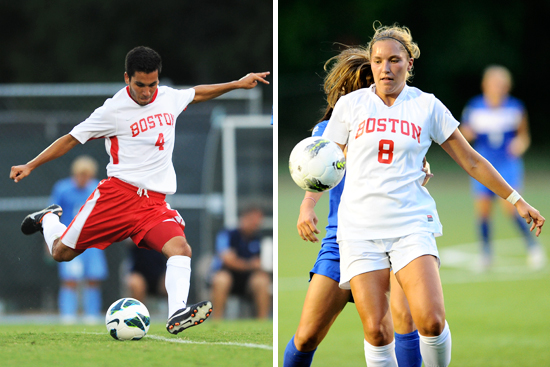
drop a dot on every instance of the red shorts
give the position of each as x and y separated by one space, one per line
115 211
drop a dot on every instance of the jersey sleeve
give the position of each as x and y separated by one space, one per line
337 128
100 124
184 98
443 123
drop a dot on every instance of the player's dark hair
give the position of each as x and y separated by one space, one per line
142 59
346 72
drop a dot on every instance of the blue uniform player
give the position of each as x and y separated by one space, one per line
71 193
498 124
325 300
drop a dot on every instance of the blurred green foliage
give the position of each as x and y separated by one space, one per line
87 40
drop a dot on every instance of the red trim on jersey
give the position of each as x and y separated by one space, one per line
130 95
114 149
154 95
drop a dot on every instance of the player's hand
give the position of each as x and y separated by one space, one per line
531 216
427 171
307 222
517 146
19 172
255 263
251 80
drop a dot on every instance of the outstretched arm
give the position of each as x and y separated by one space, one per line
480 169
211 91
56 150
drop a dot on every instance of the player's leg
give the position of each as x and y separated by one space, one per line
484 207
95 271
370 294
222 283
47 222
69 273
324 302
365 268
259 284
407 348
422 286
168 237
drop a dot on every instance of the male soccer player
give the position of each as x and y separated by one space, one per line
138 126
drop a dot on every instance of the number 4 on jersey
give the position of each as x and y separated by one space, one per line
160 142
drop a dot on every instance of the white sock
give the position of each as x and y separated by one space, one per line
383 356
178 277
436 350
52 228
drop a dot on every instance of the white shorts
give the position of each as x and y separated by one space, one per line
362 256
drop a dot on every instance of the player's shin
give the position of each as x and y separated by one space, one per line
383 356
53 229
178 276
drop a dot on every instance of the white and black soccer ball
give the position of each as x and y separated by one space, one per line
317 164
127 319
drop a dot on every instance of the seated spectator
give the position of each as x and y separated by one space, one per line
147 273
236 266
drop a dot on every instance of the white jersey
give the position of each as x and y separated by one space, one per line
383 195
139 139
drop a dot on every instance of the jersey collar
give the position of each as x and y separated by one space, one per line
400 98
132 98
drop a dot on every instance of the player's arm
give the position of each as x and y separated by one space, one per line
211 91
521 142
307 220
59 147
480 169
233 262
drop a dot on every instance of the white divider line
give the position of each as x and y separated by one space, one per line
182 341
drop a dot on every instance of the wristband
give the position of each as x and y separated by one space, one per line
514 197
309 197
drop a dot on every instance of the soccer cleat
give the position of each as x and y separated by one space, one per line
190 316
33 222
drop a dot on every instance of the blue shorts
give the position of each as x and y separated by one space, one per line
90 265
510 170
328 260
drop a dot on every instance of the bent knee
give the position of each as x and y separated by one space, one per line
432 325
307 340
222 279
177 246
61 252
403 321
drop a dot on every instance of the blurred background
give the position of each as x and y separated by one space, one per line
496 316
62 59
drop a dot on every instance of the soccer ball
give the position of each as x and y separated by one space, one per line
127 319
317 164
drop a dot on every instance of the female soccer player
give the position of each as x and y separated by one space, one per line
325 300
386 218
498 124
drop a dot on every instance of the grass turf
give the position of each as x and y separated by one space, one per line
216 343
498 318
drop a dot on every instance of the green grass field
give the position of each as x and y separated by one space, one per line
498 318
216 343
